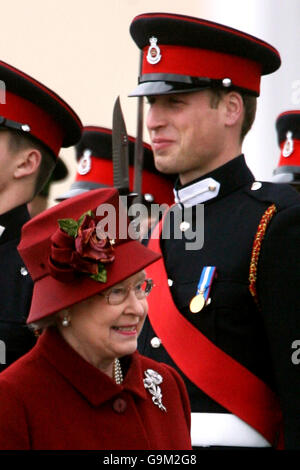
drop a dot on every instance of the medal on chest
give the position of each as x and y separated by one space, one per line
201 298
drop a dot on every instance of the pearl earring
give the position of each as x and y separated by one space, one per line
65 321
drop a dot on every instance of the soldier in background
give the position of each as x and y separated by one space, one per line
95 170
34 124
288 136
226 314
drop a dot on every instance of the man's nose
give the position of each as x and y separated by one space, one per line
155 117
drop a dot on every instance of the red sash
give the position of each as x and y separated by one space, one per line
212 370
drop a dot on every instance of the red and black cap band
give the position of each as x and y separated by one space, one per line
185 48
31 107
99 141
289 121
288 135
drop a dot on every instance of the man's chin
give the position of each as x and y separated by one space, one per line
164 164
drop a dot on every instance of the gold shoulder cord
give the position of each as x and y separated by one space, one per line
261 230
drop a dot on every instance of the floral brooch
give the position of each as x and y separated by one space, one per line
77 248
151 383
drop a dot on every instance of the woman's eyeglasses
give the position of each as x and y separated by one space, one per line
117 295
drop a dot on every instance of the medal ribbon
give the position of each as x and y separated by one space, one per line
205 282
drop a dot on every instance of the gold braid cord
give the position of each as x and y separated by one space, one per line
261 230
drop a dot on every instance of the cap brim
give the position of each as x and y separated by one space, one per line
155 88
51 296
71 193
283 178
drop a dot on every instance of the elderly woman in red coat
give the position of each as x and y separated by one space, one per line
84 385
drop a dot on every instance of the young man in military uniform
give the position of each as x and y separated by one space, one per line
34 124
226 315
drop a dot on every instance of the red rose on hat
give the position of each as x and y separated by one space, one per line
88 245
76 247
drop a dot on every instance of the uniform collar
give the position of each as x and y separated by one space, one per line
11 223
216 184
90 382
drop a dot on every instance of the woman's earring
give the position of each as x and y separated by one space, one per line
66 321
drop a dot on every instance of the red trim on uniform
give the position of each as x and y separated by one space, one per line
42 125
294 158
194 62
212 370
102 173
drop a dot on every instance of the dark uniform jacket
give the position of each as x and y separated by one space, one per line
53 399
15 289
260 338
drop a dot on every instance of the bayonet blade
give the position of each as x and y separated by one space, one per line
120 152
139 145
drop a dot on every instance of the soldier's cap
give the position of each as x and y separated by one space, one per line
183 54
95 167
28 106
288 137
65 264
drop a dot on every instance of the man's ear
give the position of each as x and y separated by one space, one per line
234 108
28 162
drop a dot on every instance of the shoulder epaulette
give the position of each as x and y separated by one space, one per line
280 194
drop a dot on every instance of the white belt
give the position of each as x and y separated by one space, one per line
223 429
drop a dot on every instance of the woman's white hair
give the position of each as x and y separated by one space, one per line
47 322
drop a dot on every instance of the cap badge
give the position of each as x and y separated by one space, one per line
288 147
85 163
154 55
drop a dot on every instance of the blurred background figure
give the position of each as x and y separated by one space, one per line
95 170
40 202
288 134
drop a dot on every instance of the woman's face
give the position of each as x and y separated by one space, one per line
100 332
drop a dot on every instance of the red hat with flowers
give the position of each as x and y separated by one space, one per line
79 248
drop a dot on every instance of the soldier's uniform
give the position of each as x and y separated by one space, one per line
16 288
235 350
35 111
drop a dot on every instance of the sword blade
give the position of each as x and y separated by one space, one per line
120 152
139 146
